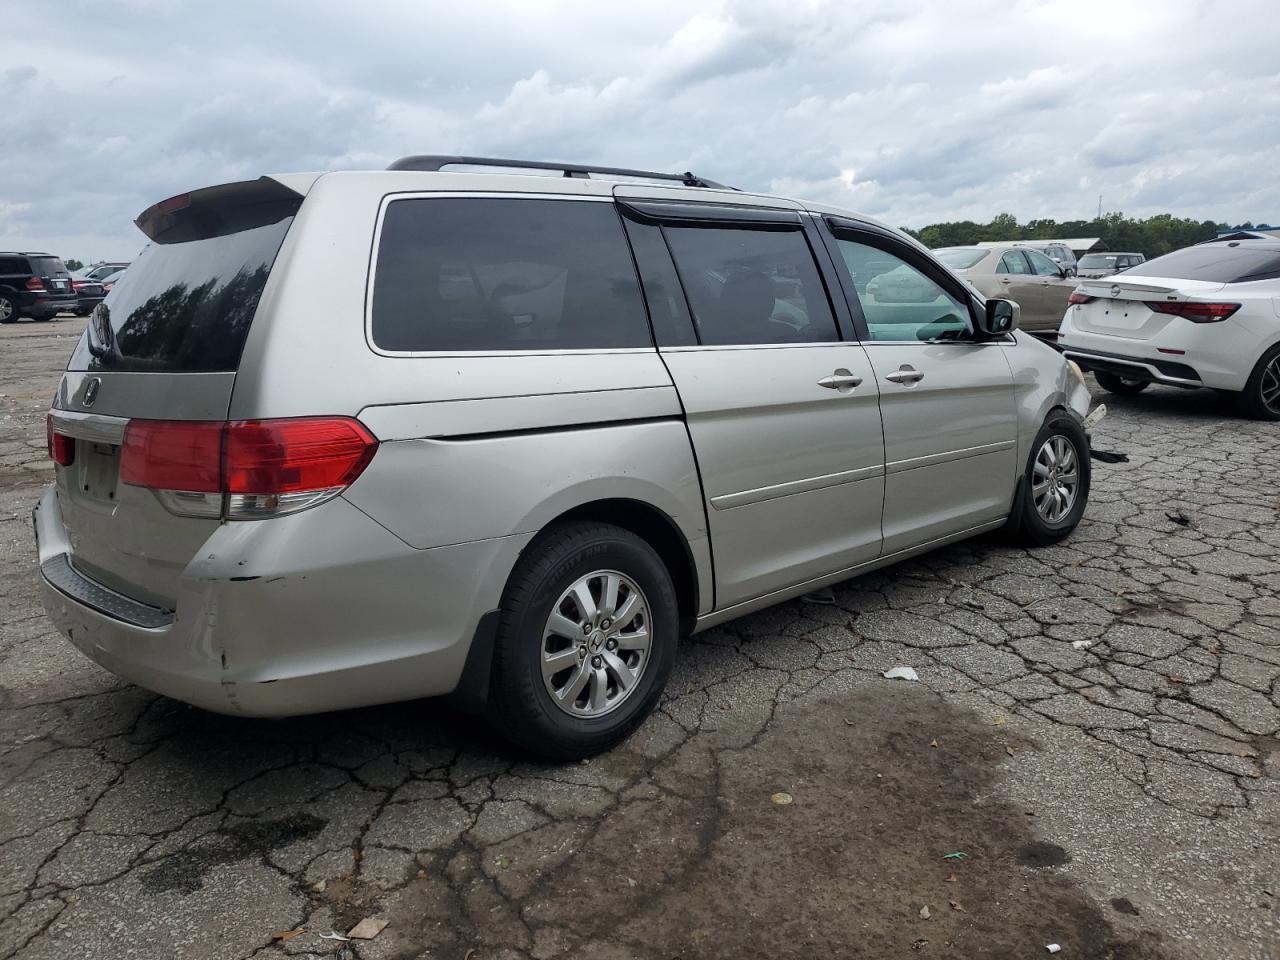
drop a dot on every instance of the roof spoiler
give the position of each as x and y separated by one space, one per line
219 210
434 164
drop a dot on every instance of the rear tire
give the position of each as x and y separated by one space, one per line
8 309
543 619
1118 385
1045 517
1260 398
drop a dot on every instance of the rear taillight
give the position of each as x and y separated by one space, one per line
62 449
244 469
1195 312
35 283
1078 297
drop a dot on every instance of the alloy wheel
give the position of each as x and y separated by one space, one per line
1269 387
6 309
595 645
1055 478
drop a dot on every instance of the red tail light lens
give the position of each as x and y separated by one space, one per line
1078 297
260 467
1196 312
62 449
288 456
35 283
173 455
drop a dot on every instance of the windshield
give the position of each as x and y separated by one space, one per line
1097 260
960 258
183 307
1226 263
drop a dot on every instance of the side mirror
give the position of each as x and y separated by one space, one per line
1000 317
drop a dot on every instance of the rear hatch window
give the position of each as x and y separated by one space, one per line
48 267
1216 264
185 305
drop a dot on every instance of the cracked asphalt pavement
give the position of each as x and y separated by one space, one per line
1095 730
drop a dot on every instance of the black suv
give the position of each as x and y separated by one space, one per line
35 285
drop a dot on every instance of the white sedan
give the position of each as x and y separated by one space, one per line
1204 316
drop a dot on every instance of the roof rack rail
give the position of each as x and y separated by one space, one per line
577 170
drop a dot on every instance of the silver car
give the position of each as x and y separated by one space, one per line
359 437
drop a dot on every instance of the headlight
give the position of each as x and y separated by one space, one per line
1075 368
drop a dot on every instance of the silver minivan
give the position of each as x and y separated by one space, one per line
349 438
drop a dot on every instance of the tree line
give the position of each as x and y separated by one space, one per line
1153 236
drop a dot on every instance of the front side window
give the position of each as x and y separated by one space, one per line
1014 262
751 286
482 274
1042 265
900 302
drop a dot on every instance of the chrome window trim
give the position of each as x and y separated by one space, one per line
390 198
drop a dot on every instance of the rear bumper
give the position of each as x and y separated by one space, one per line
1148 369
1181 354
323 610
33 303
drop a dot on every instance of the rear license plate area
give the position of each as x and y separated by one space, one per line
98 471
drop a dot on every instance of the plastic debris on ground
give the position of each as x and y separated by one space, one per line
367 929
924 913
1108 456
334 935
1094 417
1052 947
958 855
781 798
1081 644
901 673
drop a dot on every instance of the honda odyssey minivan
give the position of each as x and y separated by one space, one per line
350 438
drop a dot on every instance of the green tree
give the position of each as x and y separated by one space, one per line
74 264
1154 236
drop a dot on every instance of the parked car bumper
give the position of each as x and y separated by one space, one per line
36 304
328 611
1181 355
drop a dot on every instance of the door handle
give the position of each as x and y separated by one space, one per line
841 380
905 374
1004 279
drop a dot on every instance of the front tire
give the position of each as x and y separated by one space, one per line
1260 399
585 643
1120 386
1056 482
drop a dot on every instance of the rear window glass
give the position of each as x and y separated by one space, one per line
183 307
48 267
751 286
1215 264
961 258
1095 260
463 274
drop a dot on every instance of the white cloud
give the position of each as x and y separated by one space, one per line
920 112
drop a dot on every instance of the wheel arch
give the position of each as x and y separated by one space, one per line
646 521
657 529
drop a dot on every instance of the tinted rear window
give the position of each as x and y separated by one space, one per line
961 258
183 307
463 274
48 267
1215 264
1096 260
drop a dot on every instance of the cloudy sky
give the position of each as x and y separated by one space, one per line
913 112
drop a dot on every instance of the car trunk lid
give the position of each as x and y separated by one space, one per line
1119 306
